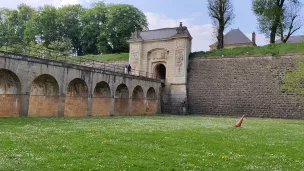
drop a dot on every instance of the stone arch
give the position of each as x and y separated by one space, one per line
151 101
44 96
76 100
122 91
101 99
10 90
122 100
160 71
138 101
138 93
151 94
157 56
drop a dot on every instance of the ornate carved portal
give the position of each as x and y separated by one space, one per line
179 62
158 55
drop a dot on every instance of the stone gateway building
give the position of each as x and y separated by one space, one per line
165 53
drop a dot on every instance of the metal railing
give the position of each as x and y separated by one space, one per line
49 54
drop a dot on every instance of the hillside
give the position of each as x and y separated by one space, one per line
274 49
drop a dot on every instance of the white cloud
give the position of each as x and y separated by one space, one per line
202 34
36 3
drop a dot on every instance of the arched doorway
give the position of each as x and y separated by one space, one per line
151 101
102 99
76 100
160 71
121 106
138 103
44 96
10 89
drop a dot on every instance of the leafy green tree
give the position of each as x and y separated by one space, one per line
272 16
44 26
122 20
70 26
24 15
13 24
221 12
94 24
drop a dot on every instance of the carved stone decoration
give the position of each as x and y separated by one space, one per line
158 55
134 60
179 62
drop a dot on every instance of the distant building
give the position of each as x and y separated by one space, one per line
236 38
293 39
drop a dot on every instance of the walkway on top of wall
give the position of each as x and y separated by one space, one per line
105 69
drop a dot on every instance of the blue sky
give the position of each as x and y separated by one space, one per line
168 13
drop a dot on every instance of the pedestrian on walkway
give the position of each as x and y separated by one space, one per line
129 69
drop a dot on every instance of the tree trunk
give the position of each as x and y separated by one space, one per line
220 38
273 30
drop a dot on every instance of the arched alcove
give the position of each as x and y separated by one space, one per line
138 103
101 99
76 100
10 89
151 101
160 71
122 100
44 96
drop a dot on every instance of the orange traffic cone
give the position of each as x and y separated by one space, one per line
239 123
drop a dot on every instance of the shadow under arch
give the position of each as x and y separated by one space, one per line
44 96
10 90
76 100
101 99
138 101
121 106
160 71
151 101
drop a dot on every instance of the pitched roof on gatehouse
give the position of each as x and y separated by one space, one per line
160 34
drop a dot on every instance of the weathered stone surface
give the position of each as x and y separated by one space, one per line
43 106
242 85
9 105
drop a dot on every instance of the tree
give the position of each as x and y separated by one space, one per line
70 26
291 21
273 16
122 20
221 12
94 25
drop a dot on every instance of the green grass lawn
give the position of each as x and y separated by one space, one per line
151 143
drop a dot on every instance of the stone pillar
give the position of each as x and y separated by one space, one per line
145 102
61 105
112 106
90 105
130 106
24 104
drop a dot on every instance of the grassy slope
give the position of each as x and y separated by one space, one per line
96 58
150 143
107 57
32 51
275 49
